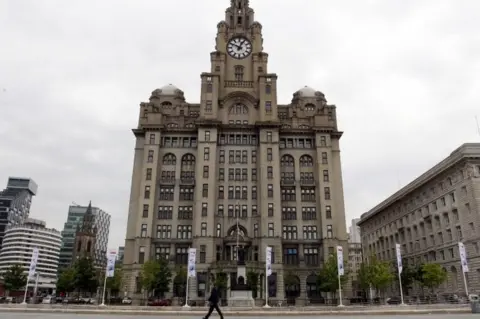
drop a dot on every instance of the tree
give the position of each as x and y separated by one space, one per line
376 274
328 276
433 276
180 281
252 281
408 276
114 284
66 280
85 275
14 278
221 280
156 276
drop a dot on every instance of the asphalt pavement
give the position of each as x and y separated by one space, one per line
14 315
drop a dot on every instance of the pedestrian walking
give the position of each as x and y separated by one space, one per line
213 301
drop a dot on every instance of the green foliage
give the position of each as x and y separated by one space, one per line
221 279
252 281
328 276
85 275
114 284
376 273
14 278
433 276
156 275
408 275
66 280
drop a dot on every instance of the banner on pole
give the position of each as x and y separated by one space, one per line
192 257
268 260
399 258
341 270
111 259
463 256
33 264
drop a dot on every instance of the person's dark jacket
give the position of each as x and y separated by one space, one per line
213 299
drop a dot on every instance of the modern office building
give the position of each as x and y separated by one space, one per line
237 154
120 253
428 218
355 259
75 218
354 232
18 245
15 202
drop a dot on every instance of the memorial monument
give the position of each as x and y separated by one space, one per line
241 294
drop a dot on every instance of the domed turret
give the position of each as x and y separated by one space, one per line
169 89
307 91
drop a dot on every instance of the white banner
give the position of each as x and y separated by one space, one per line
399 258
463 256
341 270
268 260
111 259
192 257
33 264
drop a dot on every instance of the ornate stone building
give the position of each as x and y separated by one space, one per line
237 154
85 238
428 218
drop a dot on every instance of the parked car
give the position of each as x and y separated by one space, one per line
160 302
127 301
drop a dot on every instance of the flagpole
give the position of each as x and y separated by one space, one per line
104 290
266 277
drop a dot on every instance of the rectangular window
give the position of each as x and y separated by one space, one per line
203 254
145 211
147 192
255 230
186 193
184 232
254 210
143 231
323 141
269 154
326 177
269 172
220 210
324 158
269 137
162 253
270 190
209 87
205 191
327 193
270 209
221 174
254 174
152 138
165 212
203 231
328 212
329 231
206 153
164 231
150 156
205 171
141 255
268 107
221 157
148 176
208 107
244 157
254 157
185 212
204 209
221 192
254 192
271 230
207 136
230 192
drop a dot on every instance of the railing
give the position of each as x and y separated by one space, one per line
239 84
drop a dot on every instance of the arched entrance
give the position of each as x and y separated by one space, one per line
292 288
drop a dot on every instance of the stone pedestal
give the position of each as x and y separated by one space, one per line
241 298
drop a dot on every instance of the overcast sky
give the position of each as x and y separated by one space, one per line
405 76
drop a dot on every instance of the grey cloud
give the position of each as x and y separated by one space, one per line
403 74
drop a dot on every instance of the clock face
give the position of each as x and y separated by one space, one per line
239 48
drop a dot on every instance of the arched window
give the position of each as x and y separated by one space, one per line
238 73
188 160
238 109
306 161
169 159
309 107
287 161
167 105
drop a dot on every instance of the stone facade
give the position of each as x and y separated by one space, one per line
428 218
236 157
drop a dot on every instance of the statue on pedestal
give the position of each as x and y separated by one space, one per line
240 256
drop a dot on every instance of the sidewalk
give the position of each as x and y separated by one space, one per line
246 312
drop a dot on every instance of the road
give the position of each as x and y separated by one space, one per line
12 315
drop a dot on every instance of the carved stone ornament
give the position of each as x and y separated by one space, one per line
471 172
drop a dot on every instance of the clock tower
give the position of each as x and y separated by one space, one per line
239 70
236 171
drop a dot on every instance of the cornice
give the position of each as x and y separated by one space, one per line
466 151
268 124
